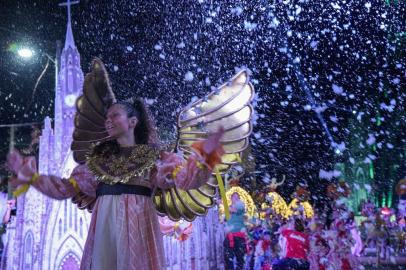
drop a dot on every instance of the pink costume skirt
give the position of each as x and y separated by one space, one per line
124 234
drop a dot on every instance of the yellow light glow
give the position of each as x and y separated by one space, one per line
308 209
277 203
250 209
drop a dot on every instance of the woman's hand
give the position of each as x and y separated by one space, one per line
210 149
14 161
11 204
23 167
28 169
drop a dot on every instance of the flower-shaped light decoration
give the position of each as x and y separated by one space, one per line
180 230
278 205
296 207
245 197
274 201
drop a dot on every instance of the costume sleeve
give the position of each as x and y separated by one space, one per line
173 170
58 188
193 173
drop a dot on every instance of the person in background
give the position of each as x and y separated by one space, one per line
235 240
10 204
3 212
6 208
355 234
319 247
297 248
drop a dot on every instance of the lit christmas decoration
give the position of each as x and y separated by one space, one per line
295 205
277 203
246 198
180 230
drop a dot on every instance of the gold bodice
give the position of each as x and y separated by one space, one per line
130 166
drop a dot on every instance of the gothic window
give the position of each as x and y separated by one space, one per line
75 214
359 194
27 259
65 225
70 215
70 86
69 262
360 175
60 228
81 227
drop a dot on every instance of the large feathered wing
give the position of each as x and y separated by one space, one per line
91 108
228 106
89 120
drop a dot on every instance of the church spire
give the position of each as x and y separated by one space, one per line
69 41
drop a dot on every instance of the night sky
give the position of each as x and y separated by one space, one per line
341 62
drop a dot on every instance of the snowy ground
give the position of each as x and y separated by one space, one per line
386 267
394 262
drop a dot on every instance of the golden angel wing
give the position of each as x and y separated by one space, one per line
228 106
91 108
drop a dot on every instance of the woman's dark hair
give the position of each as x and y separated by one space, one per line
299 225
144 132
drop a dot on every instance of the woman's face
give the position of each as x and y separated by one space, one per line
235 197
117 123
